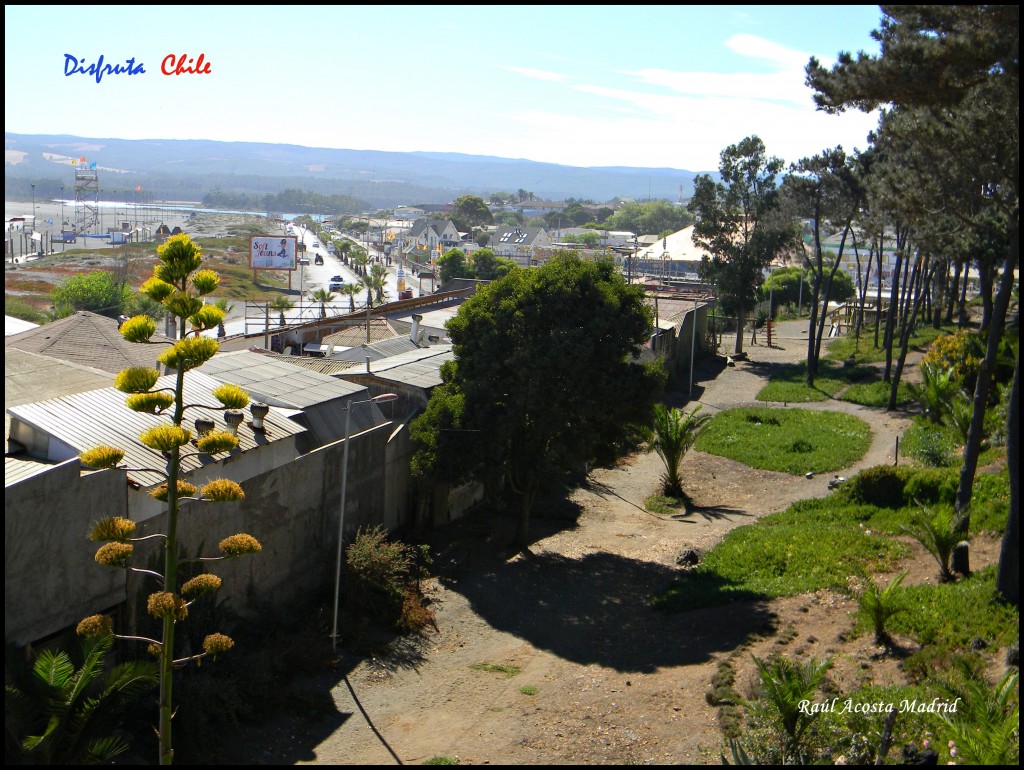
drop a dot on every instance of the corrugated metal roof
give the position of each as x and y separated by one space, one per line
20 468
377 350
276 380
328 366
422 371
100 417
355 335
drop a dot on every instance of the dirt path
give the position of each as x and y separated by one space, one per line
601 678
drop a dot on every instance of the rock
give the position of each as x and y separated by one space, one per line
809 475
688 558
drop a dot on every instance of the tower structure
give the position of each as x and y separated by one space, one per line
87 199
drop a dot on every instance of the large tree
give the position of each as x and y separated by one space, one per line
470 212
955 71
739 222
545 378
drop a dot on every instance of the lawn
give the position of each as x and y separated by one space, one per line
794 441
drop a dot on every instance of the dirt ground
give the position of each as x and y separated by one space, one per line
602 678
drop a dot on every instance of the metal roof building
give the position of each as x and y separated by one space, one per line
61 428
320 401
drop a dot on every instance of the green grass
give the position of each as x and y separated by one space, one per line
820 542
787 440
957 613
442 761
931 444
17 307
663 504
876 394
865 351
789 385
496 668
528 689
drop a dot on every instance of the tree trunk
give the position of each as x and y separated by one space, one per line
741 317
523 530
986 280
1008 579
916 283
890 315
878 301
961 557
954 290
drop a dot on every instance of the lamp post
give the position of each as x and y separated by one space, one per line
341 515
62 222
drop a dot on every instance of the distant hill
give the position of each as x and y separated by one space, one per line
187 169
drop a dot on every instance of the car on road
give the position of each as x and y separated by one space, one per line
304 261
337 279
318 259
334 286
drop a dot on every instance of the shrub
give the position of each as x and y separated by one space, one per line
933 446
939 532
881 486
376 573
880 604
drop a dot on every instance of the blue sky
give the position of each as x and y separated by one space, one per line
651 86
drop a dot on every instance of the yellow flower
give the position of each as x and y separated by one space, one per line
217 441
138 328
113 528
201 584
180 254
223 490
189 353
205 281
155 649
207 317
182 304
184 490
115 555
216 643
165 438
102 457
95 625
156 289
164 604
237 545
149 403
232 396
137 379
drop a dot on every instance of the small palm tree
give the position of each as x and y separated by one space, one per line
880 604
784 685
674 433
227 307
351 289
936 391
61 709
323 296
986 727
281 304
939 532
378 276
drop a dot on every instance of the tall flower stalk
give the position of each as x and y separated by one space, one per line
179 284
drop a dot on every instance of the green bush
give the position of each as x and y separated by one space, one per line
881 486
376 573
932 445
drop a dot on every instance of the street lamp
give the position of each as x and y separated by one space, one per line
383 397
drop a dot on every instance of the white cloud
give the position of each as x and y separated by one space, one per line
536 74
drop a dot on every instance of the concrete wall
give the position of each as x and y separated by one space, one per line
293 510
50 578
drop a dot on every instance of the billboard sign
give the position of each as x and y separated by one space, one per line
269 252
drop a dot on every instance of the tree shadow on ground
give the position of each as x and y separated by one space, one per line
594 609
709 512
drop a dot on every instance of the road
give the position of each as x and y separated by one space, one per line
309 278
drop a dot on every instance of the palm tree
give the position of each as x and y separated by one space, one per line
227 307
379 276
62 709
351 289
674 433
936 391
281 304
784 686
323 296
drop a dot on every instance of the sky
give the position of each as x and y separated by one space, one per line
627 85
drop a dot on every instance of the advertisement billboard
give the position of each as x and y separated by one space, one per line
271 252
